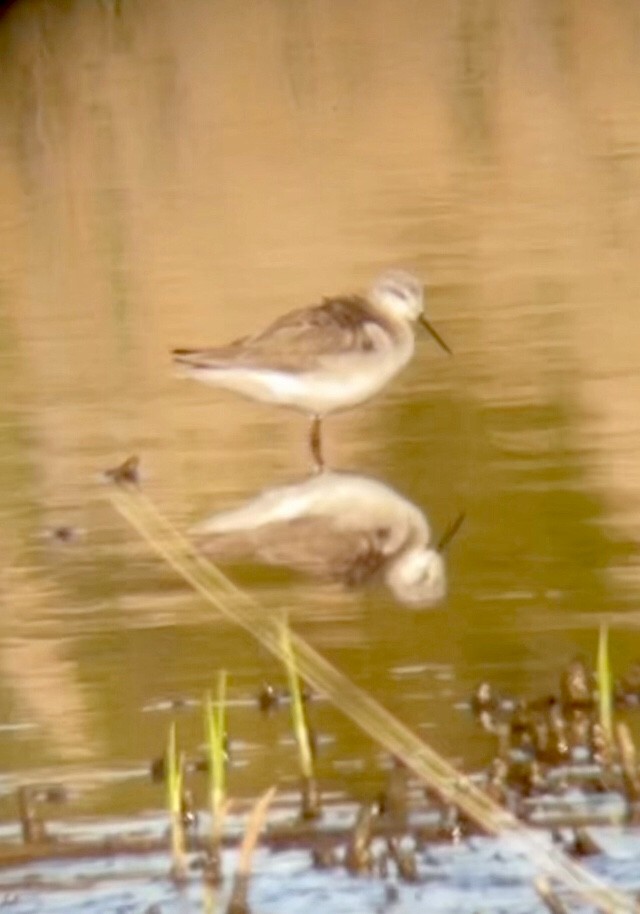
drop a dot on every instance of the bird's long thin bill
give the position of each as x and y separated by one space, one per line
450 532
434 333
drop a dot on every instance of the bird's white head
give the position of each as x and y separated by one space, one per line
418 577
399 293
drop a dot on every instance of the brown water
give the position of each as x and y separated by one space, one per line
182 172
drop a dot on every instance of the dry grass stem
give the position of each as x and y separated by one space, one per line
629 763
238 900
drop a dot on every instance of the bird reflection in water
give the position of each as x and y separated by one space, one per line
337 527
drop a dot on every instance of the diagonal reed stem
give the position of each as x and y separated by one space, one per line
362 708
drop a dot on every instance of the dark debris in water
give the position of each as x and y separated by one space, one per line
63 534
126 473
555 747
271 698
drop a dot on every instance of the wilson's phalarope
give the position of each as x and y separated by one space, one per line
335 526
325 358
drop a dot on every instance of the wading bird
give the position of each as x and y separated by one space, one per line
325 358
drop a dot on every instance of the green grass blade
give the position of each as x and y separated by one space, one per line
300 728
172 772
605 683
174 766
215 740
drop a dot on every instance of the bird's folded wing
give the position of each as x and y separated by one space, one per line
317 546
299 341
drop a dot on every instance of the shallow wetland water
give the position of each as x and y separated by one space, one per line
182 173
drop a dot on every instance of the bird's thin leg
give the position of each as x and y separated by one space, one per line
315 440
